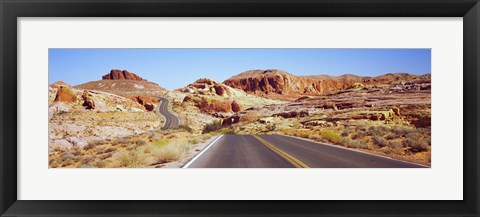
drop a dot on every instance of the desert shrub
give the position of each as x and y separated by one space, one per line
416 145
400 131
140 142
227 130
87 160
330 136
186 128
67 159
379 141
379 131
358 135
395 144
361 128
349 143
169 153
390 136
344 134
345 141
194 140
130 159
109 150
302 134
297 125
160 142
214 126
271 127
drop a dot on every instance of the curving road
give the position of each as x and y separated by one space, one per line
278 151
171 120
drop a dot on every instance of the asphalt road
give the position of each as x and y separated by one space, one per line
171 120
278 151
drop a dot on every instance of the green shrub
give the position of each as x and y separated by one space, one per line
140 142
330 136
160 142
379 141
214 126
400 131
271 127
395 144
416 145
377 131
227 130
185 127
132 159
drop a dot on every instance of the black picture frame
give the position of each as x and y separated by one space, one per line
10 10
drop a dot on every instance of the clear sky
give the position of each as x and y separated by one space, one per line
175 68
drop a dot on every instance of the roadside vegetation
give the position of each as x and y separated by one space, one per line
151 149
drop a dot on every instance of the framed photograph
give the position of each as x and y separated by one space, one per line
251 108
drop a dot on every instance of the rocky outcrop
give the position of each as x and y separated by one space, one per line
205 86
116 74
209 105
66 95
292 114
147 101
236 106
88 101
231 120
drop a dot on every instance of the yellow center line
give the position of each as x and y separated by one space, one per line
294 161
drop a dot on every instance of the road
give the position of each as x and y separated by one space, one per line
171 120
278 151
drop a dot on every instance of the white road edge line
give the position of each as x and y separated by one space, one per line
351 149
204 150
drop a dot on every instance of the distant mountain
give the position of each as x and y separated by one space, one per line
280 84
124 83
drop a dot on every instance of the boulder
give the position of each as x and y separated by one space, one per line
236 106
88 101
149 106
231 120
267 120
147 101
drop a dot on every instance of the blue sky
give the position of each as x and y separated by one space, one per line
175 68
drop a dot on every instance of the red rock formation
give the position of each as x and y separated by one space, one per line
65 94
147 101
207 105
236 106
282 85
205 86
279 82
116 74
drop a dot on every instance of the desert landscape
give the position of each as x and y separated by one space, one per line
118 121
